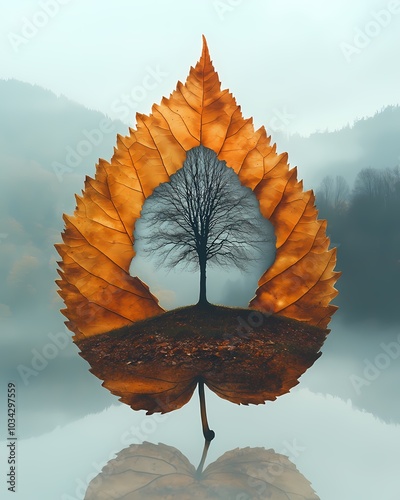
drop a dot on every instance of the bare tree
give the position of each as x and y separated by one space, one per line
368 183
325 190
382 186
203 214
333 192
342 192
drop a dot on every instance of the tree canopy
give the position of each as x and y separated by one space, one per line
203 215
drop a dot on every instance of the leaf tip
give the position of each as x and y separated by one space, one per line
205 54
205 46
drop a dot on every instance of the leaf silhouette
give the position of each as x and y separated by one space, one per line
98 244
159 471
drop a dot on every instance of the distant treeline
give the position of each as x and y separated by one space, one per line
364 223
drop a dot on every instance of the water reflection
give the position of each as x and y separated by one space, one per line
149 471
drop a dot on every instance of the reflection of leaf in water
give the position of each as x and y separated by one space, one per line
149 471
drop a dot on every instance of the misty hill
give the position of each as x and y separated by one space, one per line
369 142
47 146
36 125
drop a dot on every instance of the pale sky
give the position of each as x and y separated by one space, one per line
295 66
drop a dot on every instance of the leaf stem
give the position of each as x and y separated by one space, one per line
199 470
207 432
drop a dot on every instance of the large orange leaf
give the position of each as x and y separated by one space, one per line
98 240
139 350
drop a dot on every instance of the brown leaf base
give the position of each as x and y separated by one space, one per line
155 364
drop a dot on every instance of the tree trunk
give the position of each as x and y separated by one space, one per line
203 291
